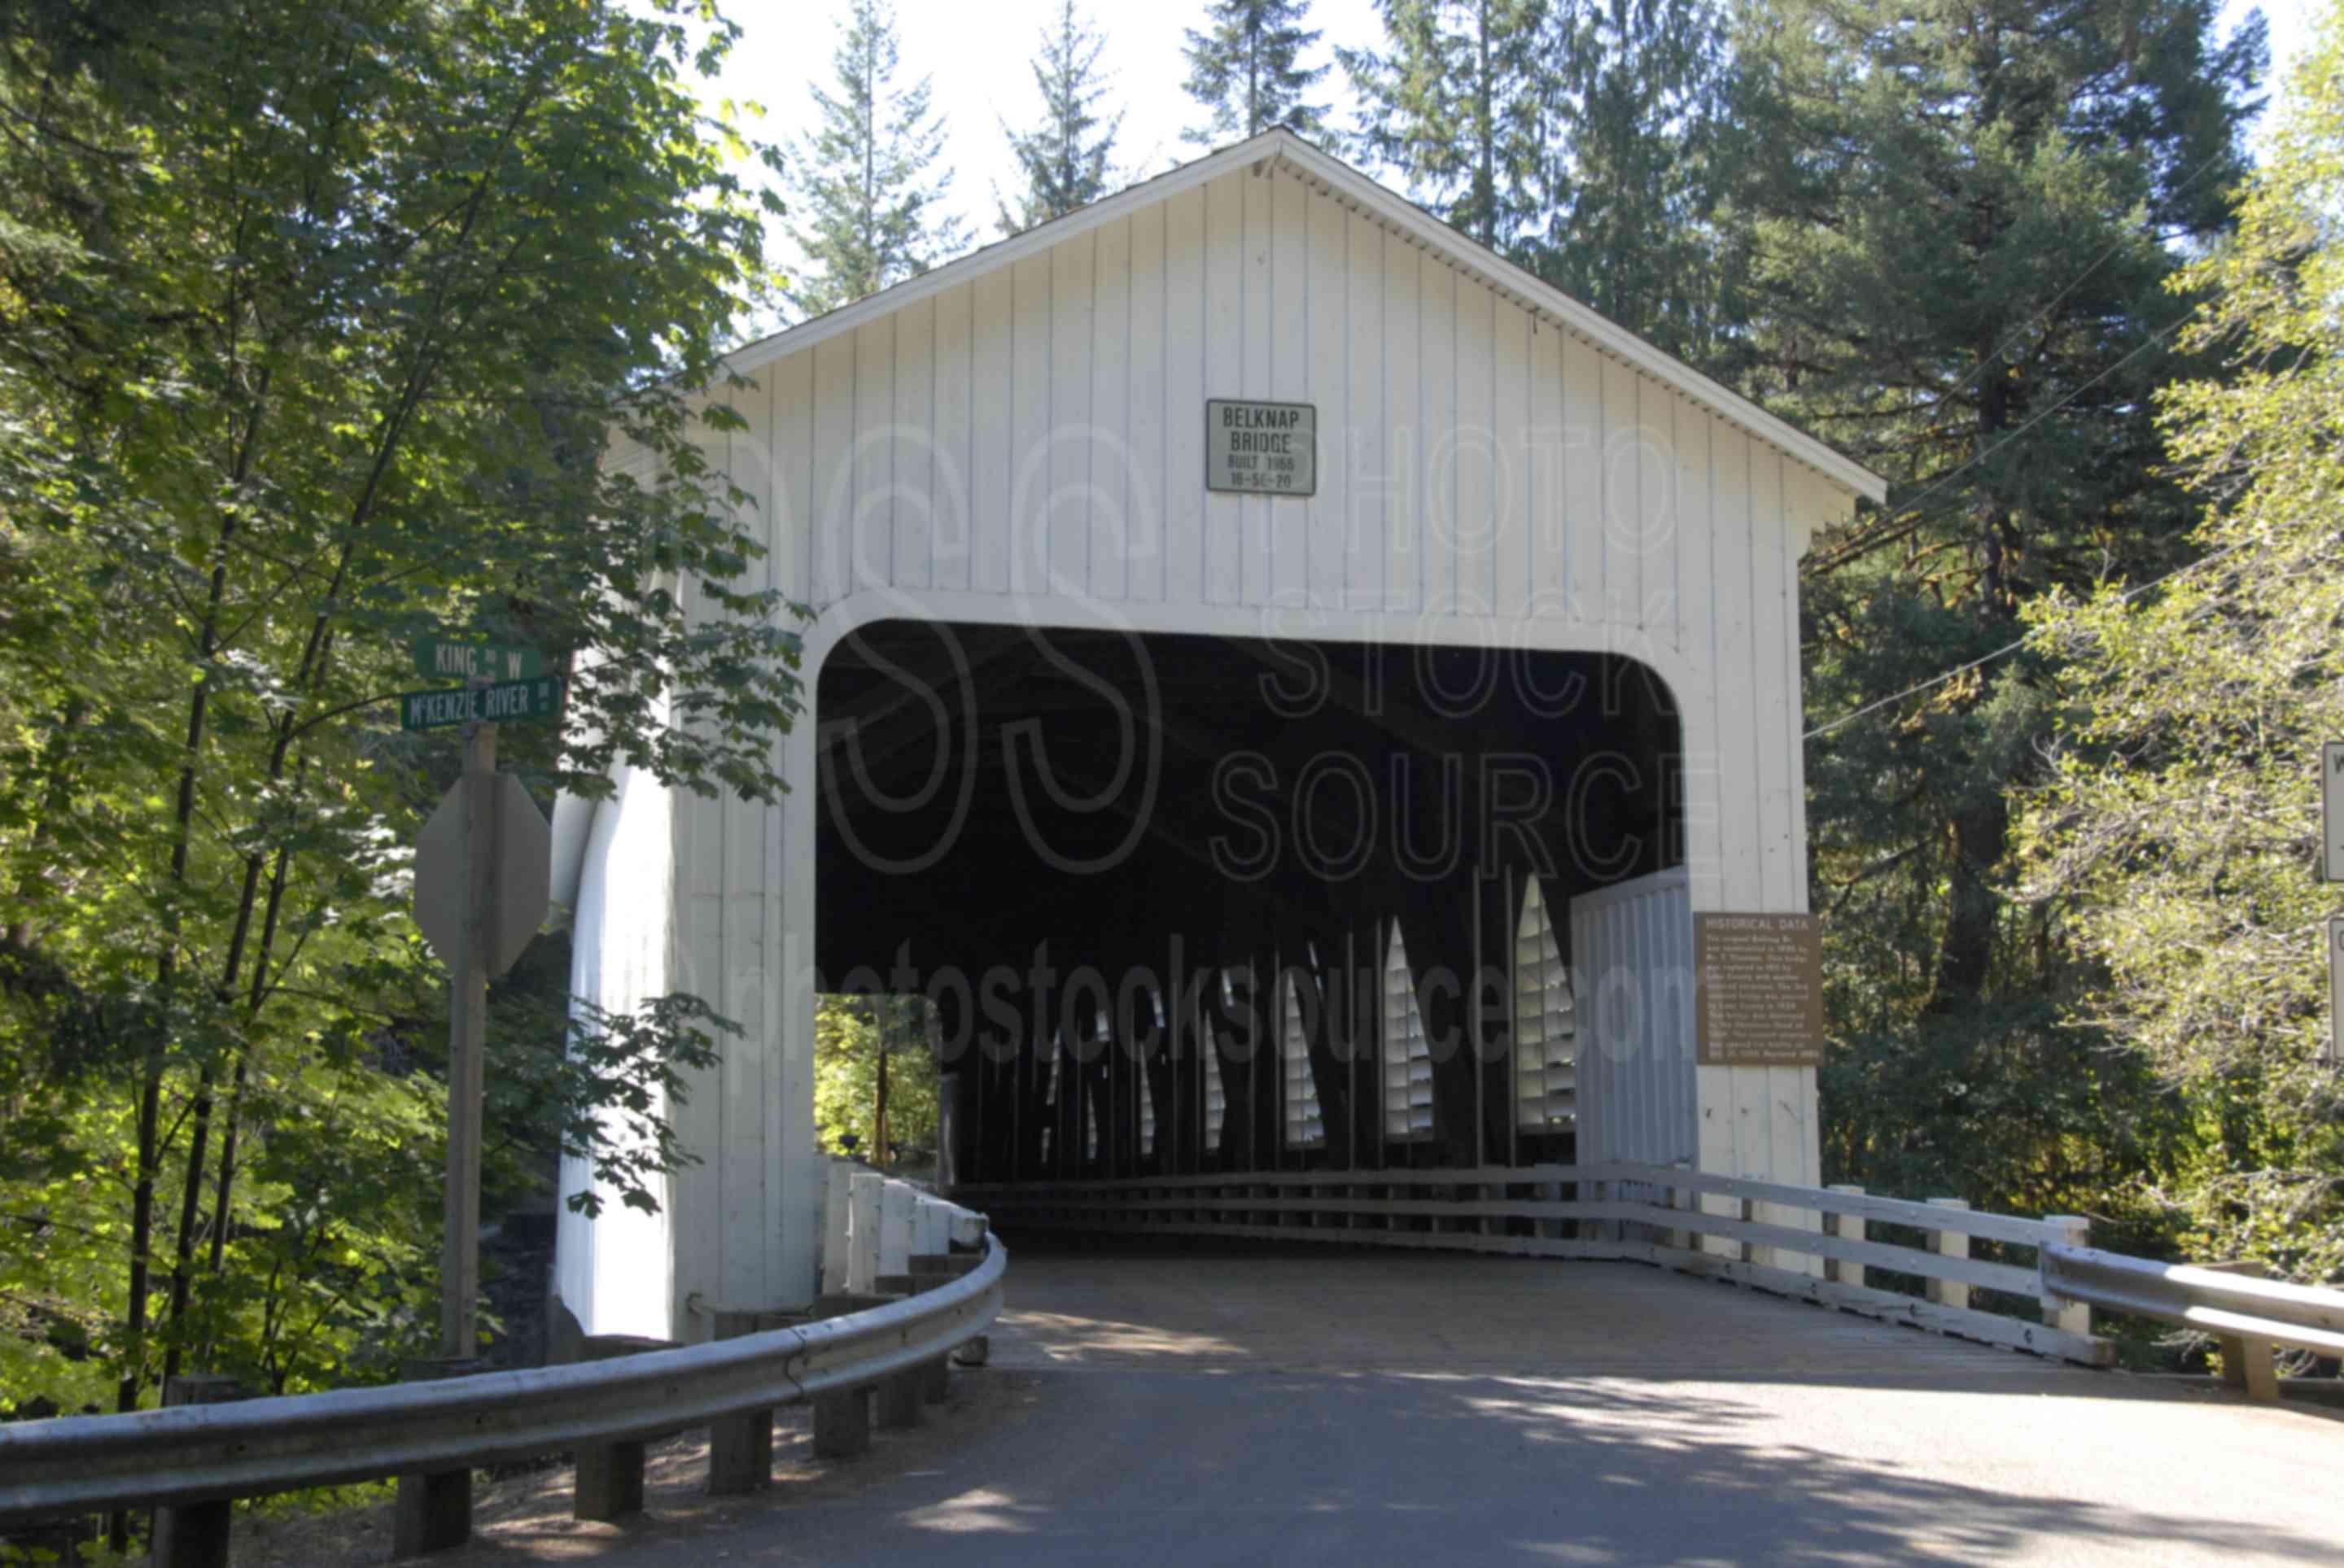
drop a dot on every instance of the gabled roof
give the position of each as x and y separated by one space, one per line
1347 185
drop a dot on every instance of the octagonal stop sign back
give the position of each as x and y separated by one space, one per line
521 884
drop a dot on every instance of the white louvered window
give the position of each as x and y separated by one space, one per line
1148 1087
1217 1102
1407 1054
1546 1077
1305 1129
1053 1108
1093 1113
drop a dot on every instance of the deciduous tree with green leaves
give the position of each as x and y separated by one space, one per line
316 327
875 1075
2177 841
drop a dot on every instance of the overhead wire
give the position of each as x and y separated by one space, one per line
2007 649
1900 522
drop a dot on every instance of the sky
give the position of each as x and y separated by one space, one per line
978 56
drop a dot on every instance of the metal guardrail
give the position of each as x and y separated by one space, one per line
207 1452
2251 1316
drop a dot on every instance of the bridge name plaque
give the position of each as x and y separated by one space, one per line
1261 448
1760 996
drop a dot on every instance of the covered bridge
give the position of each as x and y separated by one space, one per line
1284 682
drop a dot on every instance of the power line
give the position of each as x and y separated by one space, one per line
1846 553
1960 670
1901 521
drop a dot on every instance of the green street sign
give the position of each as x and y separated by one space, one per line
509 702
457 659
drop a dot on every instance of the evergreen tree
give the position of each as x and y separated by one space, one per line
862 183
1452 102
1065 160
1632 93
1246 68
1961 218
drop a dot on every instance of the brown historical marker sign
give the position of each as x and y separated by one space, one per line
1760 996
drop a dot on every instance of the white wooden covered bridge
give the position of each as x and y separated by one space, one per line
1283 682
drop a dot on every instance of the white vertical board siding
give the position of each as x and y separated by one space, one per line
1631 988
1111 536
1327 385
1024 443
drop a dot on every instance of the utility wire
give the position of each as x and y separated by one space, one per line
2007 649
1845 554
1901 521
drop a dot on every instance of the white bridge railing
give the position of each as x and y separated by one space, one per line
886 1341
1819 1244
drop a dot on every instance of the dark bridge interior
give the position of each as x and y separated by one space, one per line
1150 883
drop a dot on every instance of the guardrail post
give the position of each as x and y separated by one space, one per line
608 1481
740 1447
2248 1362
434 1511
841 1418
2069 1317
900 1397
1949 1244
931 1270
1847 1228
195 1534
842 1423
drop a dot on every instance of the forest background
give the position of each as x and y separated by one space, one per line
312 322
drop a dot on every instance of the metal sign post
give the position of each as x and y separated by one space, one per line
2335 1057
2331 812
2331 870
468 1028
481 889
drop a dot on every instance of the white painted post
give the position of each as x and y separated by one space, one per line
2070 1317
932 1237
1684 1198
895 1221
862 1244
967 1227
1847 1227
836 1213
1949 1244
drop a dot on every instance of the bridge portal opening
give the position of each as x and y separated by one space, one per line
1193 904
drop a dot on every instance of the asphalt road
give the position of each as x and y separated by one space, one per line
1413 1409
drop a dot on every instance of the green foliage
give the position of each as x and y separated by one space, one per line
1955 221
322 328
1066 160
1247 70
2177 840
1626 196
864 198
861 1043
1452 102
